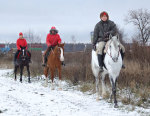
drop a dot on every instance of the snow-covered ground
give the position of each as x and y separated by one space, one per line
24 99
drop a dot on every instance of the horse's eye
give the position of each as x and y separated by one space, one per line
119 46
110 46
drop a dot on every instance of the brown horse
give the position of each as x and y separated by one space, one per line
54 61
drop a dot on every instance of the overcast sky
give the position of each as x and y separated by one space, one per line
71 17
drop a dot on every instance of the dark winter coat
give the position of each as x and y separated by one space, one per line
102 28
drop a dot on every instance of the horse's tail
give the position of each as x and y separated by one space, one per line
46 71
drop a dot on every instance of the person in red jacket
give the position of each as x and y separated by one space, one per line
52 40
21 42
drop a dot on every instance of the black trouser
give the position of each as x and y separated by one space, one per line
47 53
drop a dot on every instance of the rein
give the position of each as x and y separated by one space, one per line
111 53
53 50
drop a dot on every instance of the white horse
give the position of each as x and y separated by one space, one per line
113 64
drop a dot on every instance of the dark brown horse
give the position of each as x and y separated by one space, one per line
55 59
23 60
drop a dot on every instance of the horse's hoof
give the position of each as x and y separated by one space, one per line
29 81
116 106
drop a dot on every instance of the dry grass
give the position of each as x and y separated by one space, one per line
6 61
133 82
36 65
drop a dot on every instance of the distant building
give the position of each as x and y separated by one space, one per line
4 48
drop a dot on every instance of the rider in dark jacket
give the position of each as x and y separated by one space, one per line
102 30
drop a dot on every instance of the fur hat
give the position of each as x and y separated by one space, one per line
53 29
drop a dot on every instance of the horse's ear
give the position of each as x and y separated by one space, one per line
110 36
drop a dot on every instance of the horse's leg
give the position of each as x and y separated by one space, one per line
113 82
46 75
96 74
97 88
52 77
28 70
21 72
15 71
103 84
59 72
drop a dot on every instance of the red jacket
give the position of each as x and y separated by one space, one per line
53 40
21 42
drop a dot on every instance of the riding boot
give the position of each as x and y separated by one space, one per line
122 55
29 59
100 61
45 60
15 58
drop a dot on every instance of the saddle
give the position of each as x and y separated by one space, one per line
19 54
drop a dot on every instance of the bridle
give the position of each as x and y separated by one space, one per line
57 50
23 54
115 60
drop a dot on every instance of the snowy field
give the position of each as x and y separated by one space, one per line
23 99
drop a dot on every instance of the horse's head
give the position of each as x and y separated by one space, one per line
23 53
60 51
114 47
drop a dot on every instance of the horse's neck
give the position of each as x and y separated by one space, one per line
53 53
111 52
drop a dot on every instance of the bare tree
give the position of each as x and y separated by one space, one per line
31 37
121 35
141 20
